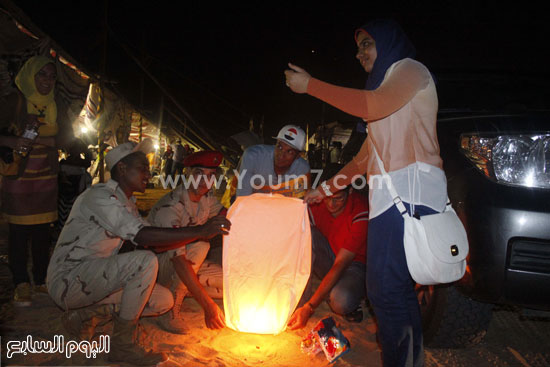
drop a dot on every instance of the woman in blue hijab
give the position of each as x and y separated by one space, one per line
399 105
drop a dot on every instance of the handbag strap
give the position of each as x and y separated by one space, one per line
387 178
395 196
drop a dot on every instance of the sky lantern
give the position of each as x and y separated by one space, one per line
266 262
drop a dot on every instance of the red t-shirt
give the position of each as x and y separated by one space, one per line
349 229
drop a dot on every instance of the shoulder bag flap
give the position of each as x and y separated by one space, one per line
446 236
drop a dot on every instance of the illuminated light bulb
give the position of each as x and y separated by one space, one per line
83 130
529 179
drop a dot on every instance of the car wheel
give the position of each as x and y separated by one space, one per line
450 319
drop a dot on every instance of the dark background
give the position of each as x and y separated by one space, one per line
224 63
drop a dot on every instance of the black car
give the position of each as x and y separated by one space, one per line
498 174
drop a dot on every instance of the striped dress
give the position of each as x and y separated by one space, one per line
31 197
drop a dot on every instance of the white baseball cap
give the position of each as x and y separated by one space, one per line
293 135
120 151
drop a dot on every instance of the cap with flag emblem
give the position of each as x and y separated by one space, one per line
292 135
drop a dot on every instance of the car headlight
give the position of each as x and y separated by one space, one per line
521 160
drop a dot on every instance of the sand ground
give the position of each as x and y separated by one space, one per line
201 347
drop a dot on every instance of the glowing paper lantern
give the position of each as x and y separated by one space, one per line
266 262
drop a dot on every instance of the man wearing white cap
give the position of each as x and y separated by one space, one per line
87 275
276 168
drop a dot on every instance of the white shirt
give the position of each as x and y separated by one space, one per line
176 209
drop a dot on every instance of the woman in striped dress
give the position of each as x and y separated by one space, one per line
29 199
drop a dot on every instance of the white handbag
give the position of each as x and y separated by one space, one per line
436 245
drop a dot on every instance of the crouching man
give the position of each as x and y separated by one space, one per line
339 243
87 276
279 167
180 269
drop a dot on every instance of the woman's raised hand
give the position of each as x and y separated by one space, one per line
297 78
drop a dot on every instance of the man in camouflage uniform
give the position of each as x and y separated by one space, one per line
87 274
190 204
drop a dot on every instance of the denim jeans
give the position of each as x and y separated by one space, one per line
349 291
391 290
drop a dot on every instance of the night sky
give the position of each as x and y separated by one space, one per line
225 64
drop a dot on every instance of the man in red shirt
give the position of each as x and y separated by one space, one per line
339 243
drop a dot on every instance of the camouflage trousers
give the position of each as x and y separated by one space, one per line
127 280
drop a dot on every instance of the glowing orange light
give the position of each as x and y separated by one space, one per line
266 262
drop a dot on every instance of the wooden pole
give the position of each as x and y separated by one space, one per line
161 115
102 116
